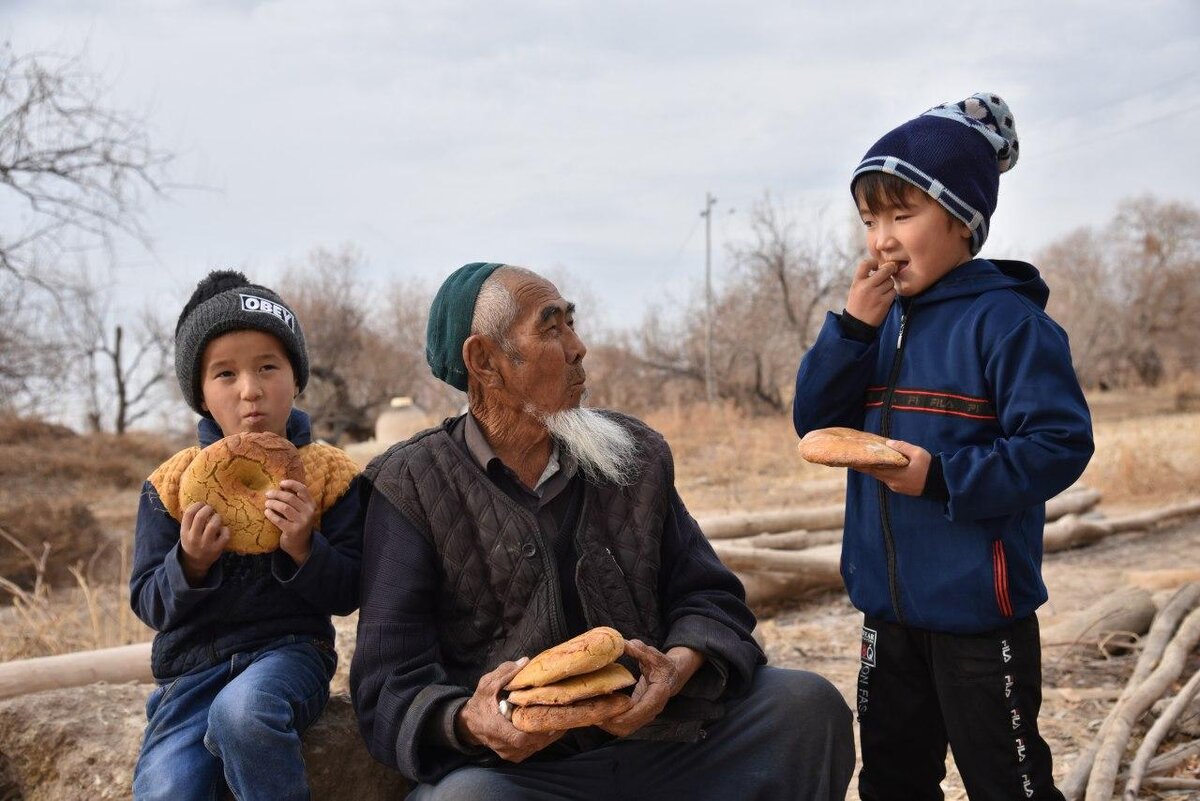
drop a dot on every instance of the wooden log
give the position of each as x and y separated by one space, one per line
788 540
1104 772
1173 783
816 564
1075 501
1171 579
1153 645
1072 531
1154 737
747 524
1130 609
113 665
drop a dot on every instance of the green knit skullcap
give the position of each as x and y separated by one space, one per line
450 321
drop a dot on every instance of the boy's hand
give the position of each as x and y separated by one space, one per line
872 291
202 539
908 480
292 509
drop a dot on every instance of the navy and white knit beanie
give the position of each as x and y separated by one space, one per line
955 153
226 301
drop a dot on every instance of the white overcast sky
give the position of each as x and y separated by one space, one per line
583 136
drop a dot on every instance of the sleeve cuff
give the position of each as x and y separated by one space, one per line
935 482
722 650
285 569
856 329
185 592
442 731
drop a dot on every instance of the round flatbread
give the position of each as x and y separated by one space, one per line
540 719
611 677
846 447
589 651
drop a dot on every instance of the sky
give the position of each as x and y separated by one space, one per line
582 137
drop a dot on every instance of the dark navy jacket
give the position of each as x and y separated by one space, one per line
974 371
245 602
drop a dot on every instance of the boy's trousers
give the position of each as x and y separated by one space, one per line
980 693
235 724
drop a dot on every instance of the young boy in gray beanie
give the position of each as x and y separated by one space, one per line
245 648
953 357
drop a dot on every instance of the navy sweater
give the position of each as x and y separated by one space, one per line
974 371
245 602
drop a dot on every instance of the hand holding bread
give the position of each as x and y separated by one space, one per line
572 684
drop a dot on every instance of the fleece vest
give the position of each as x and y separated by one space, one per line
498 598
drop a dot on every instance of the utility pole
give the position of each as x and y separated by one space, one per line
710 384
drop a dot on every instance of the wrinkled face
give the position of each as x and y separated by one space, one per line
548 375
248 383
920 236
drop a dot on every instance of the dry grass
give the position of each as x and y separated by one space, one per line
43 621
1146 459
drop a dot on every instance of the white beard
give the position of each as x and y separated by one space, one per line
604 449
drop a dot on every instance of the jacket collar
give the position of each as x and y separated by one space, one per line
298 430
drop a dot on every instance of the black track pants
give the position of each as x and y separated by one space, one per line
980 693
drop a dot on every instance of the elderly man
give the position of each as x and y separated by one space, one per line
527 521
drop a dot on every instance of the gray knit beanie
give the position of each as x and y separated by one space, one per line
226 301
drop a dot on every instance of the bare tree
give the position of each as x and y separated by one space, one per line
1127 294
72 169
766 313
73 173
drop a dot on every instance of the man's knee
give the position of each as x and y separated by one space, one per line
801 695
467 784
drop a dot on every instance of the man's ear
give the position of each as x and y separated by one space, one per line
479 355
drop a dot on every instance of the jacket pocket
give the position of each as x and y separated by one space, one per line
1000 578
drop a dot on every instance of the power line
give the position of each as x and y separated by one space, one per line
1118 131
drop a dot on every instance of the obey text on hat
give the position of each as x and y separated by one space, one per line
253 303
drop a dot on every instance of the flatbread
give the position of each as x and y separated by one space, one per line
611 677
846 447
589 651
540 719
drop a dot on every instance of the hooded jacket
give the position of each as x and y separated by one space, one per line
974 371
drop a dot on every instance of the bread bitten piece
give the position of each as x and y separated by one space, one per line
542 719
847 447
232 476
588 652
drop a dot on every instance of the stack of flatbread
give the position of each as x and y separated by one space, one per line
571 685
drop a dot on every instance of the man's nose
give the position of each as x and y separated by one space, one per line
576 350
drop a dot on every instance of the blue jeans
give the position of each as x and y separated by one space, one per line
241 718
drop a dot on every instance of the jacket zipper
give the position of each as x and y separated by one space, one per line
885 516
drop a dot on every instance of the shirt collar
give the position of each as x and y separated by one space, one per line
481 451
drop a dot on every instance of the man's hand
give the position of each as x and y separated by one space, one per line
292 509
202 539
872 291
663 675
909 480
479 722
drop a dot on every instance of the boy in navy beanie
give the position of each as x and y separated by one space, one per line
953 358
244 649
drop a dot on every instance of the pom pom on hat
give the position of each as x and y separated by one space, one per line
955 153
